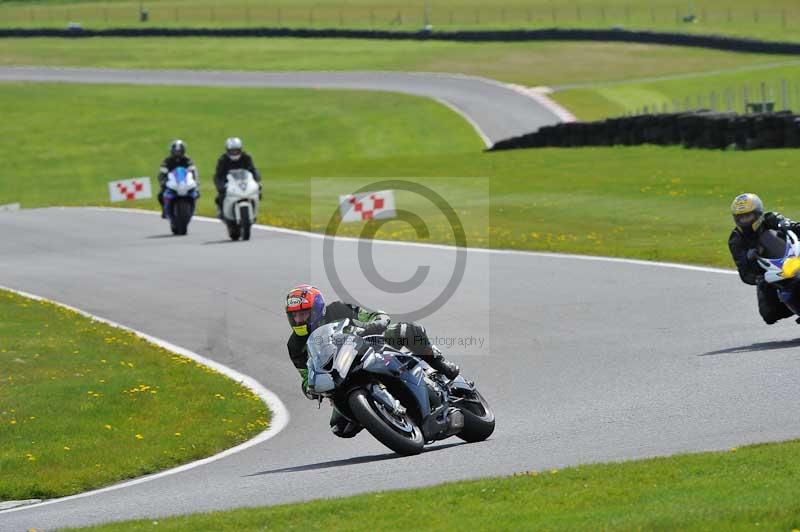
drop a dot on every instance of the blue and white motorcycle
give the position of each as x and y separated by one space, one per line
180 196
779 257
398 398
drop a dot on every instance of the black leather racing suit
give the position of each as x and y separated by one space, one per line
169 164
224 165
741 243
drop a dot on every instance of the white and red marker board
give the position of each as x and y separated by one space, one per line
368 206
130 189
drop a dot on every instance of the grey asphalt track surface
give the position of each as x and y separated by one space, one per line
498 110
584 360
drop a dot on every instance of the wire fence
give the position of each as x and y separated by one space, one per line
356 16
763 97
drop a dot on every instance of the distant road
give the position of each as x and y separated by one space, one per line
496 110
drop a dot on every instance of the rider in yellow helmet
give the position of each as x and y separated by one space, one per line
751 220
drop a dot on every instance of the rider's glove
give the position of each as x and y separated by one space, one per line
308 394
752 254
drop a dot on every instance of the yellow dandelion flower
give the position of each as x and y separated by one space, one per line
67 448
139 437
108 427
177 434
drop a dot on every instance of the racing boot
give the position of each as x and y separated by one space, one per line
161 202
437 361
343 427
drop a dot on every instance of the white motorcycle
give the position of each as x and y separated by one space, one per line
180 197
240 206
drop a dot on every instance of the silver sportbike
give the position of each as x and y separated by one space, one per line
398 398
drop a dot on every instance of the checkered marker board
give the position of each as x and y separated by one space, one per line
130 189
367 206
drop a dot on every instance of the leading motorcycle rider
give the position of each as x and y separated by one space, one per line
751 221
306 310
234 158
177 157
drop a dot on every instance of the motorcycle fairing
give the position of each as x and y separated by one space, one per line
787 267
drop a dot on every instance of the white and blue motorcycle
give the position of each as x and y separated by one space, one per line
779 257
398 398
180 197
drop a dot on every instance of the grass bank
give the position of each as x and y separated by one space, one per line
657 203
83 404
741 489
545 63
715 90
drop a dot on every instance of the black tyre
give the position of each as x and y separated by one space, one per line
233 231
244 216
386 427
183 214
478 419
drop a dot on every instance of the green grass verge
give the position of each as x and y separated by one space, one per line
742 489
717 89
545 63
648 202
774 19
83 404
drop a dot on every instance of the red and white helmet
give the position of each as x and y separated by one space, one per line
305 308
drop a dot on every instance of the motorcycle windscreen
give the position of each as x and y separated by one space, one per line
350 345
772 245
180 174
321 346
239 174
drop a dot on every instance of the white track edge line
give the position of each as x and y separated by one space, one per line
545 101
543 254
278 420
484 137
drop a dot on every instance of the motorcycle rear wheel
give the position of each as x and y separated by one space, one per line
369 414
478 419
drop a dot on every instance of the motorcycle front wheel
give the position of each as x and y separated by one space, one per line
478 419
183 214
233 230
244 216
397 432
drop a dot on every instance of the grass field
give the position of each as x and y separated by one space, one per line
546 63
647 202
715 90
84 404
751 488
774 19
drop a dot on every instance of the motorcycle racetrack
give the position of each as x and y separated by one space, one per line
583 359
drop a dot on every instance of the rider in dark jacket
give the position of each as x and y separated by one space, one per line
306 310
234 158
751 221
177 157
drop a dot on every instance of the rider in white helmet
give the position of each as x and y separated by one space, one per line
234 158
